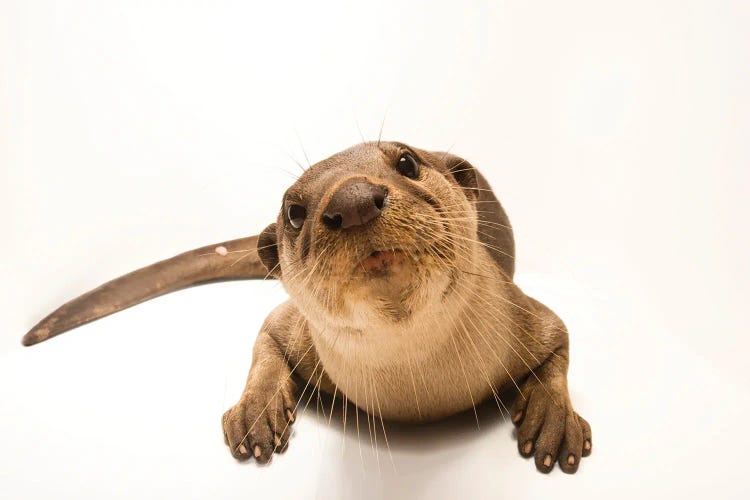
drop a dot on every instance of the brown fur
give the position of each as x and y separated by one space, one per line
412 317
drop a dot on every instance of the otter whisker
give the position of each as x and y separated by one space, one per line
221 250
302 146
466 379
414 385
478 242
299 328
371 414
483 368
290 174
361 136
356 415
382 424
345 405
459 170
474 189
286 152
448 151
382 124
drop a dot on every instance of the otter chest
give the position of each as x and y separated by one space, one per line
412 383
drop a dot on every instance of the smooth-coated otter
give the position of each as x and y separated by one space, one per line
399 266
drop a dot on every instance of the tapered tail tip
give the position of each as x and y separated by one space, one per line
35 335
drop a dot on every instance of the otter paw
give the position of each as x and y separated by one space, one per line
551 431
260 423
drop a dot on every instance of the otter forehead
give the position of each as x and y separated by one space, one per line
367 159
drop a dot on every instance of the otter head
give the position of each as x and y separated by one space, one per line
374 235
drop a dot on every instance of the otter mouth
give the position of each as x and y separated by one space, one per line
380 262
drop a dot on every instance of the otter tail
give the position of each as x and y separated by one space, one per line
231 260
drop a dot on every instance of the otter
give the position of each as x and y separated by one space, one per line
399 267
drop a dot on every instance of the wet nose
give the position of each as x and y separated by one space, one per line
355 203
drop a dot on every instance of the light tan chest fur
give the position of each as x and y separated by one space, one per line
435 366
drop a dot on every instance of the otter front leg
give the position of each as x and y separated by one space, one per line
259 424
548 428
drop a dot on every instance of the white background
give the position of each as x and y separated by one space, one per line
617 135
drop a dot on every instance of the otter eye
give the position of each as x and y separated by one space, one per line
296 214
408 166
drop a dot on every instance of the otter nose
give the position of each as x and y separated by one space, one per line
355 203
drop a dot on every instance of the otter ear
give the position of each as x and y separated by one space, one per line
463 172
268 250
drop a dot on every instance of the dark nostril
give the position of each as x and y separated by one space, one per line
379 199
333 222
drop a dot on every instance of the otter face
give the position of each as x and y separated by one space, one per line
373 234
